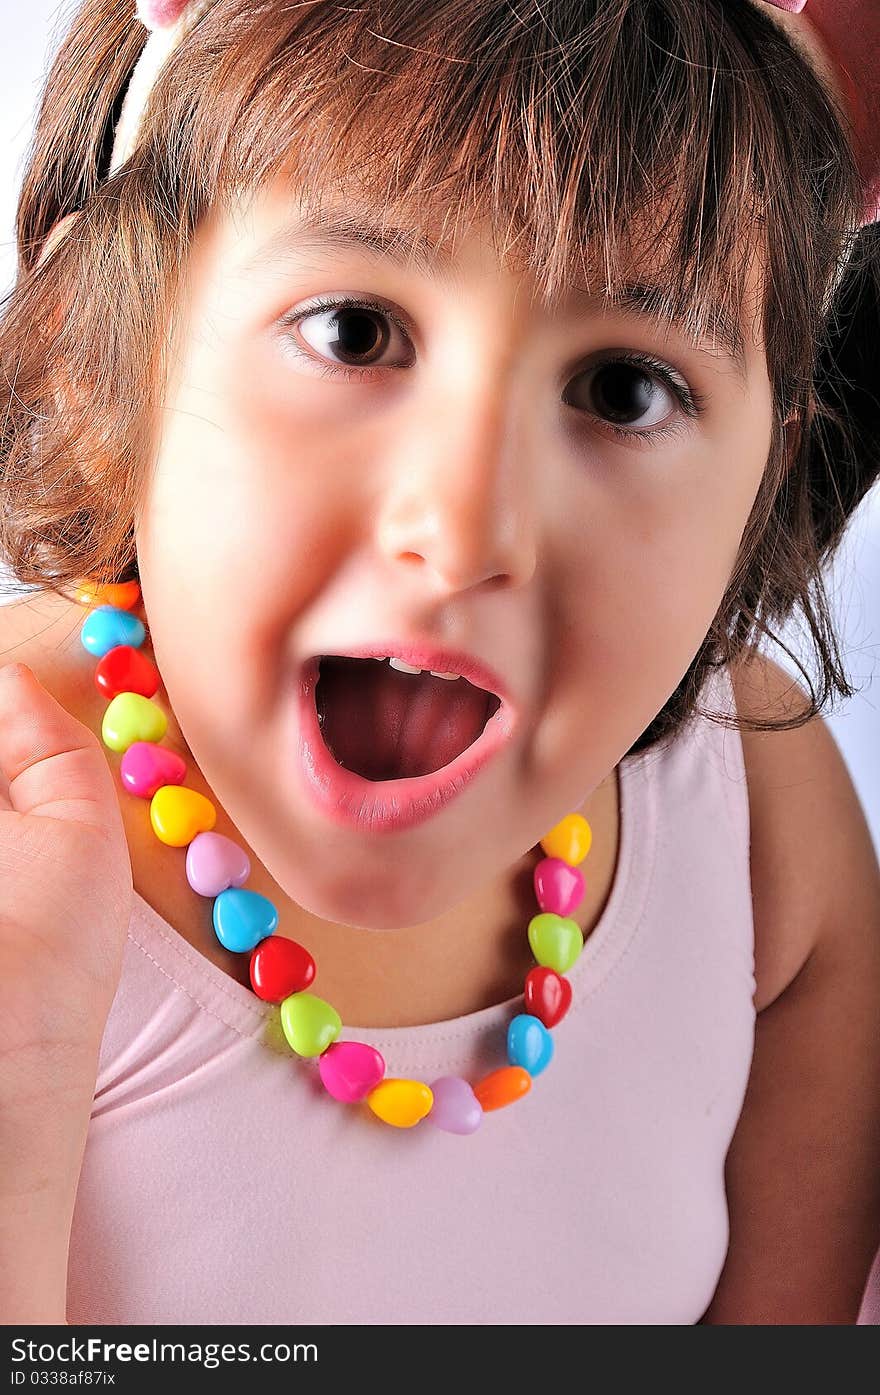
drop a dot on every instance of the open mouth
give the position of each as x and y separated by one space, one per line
384 724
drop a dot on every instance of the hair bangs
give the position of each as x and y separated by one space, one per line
523 118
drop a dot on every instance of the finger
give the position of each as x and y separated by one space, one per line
53 765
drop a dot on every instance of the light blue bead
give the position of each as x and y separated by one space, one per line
529 1044
243 918
107 627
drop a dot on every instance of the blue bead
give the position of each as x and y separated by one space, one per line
243 918
106 627
529 1044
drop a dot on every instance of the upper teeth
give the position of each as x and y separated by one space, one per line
408 668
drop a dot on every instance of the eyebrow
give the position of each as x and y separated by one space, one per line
325 232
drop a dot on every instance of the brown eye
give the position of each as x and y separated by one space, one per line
353 336
624 394
347 334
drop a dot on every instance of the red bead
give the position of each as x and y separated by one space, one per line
547 995
279 967
126 670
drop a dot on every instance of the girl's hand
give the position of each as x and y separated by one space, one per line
65 900
65 888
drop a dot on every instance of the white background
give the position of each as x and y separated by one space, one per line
29 33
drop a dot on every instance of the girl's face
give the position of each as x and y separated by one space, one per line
455 467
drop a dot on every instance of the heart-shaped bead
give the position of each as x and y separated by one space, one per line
529 1044
559 887
456 1108
122 595
502 1087
146 767
215 863
555 940
570 839
126 670
108 627
242 919
401 1102
309 1024
280 967
130 717
178 814
350 1070
547 995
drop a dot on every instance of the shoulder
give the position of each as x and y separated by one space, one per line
813 865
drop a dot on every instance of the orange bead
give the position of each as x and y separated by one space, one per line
503 1087
124 595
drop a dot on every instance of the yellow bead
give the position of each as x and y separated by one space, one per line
131 717
570 839
178 814
401 1102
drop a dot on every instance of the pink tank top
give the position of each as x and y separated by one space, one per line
220 1184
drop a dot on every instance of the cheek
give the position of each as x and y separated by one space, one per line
247 495
648 561
253 510
683 547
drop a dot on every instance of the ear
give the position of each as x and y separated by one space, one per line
55 312
55 238
58 234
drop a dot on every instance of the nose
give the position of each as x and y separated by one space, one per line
459 504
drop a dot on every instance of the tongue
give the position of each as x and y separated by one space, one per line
387 725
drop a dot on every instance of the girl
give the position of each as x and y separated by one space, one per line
379 630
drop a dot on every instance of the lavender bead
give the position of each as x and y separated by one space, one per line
456 1108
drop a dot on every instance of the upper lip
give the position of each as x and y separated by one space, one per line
427 657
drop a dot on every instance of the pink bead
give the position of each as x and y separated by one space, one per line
160 14
456 1108
146 767
559 886
215 863
350 1070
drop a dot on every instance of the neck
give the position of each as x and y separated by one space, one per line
474 955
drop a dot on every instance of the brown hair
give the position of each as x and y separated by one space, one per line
567 124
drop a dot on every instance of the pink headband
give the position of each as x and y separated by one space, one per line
850 30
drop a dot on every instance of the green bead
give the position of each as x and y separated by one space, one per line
131 717
310 1024
556 941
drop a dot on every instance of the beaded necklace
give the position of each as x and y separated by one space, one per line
282 971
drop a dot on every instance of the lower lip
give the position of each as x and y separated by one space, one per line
382 806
